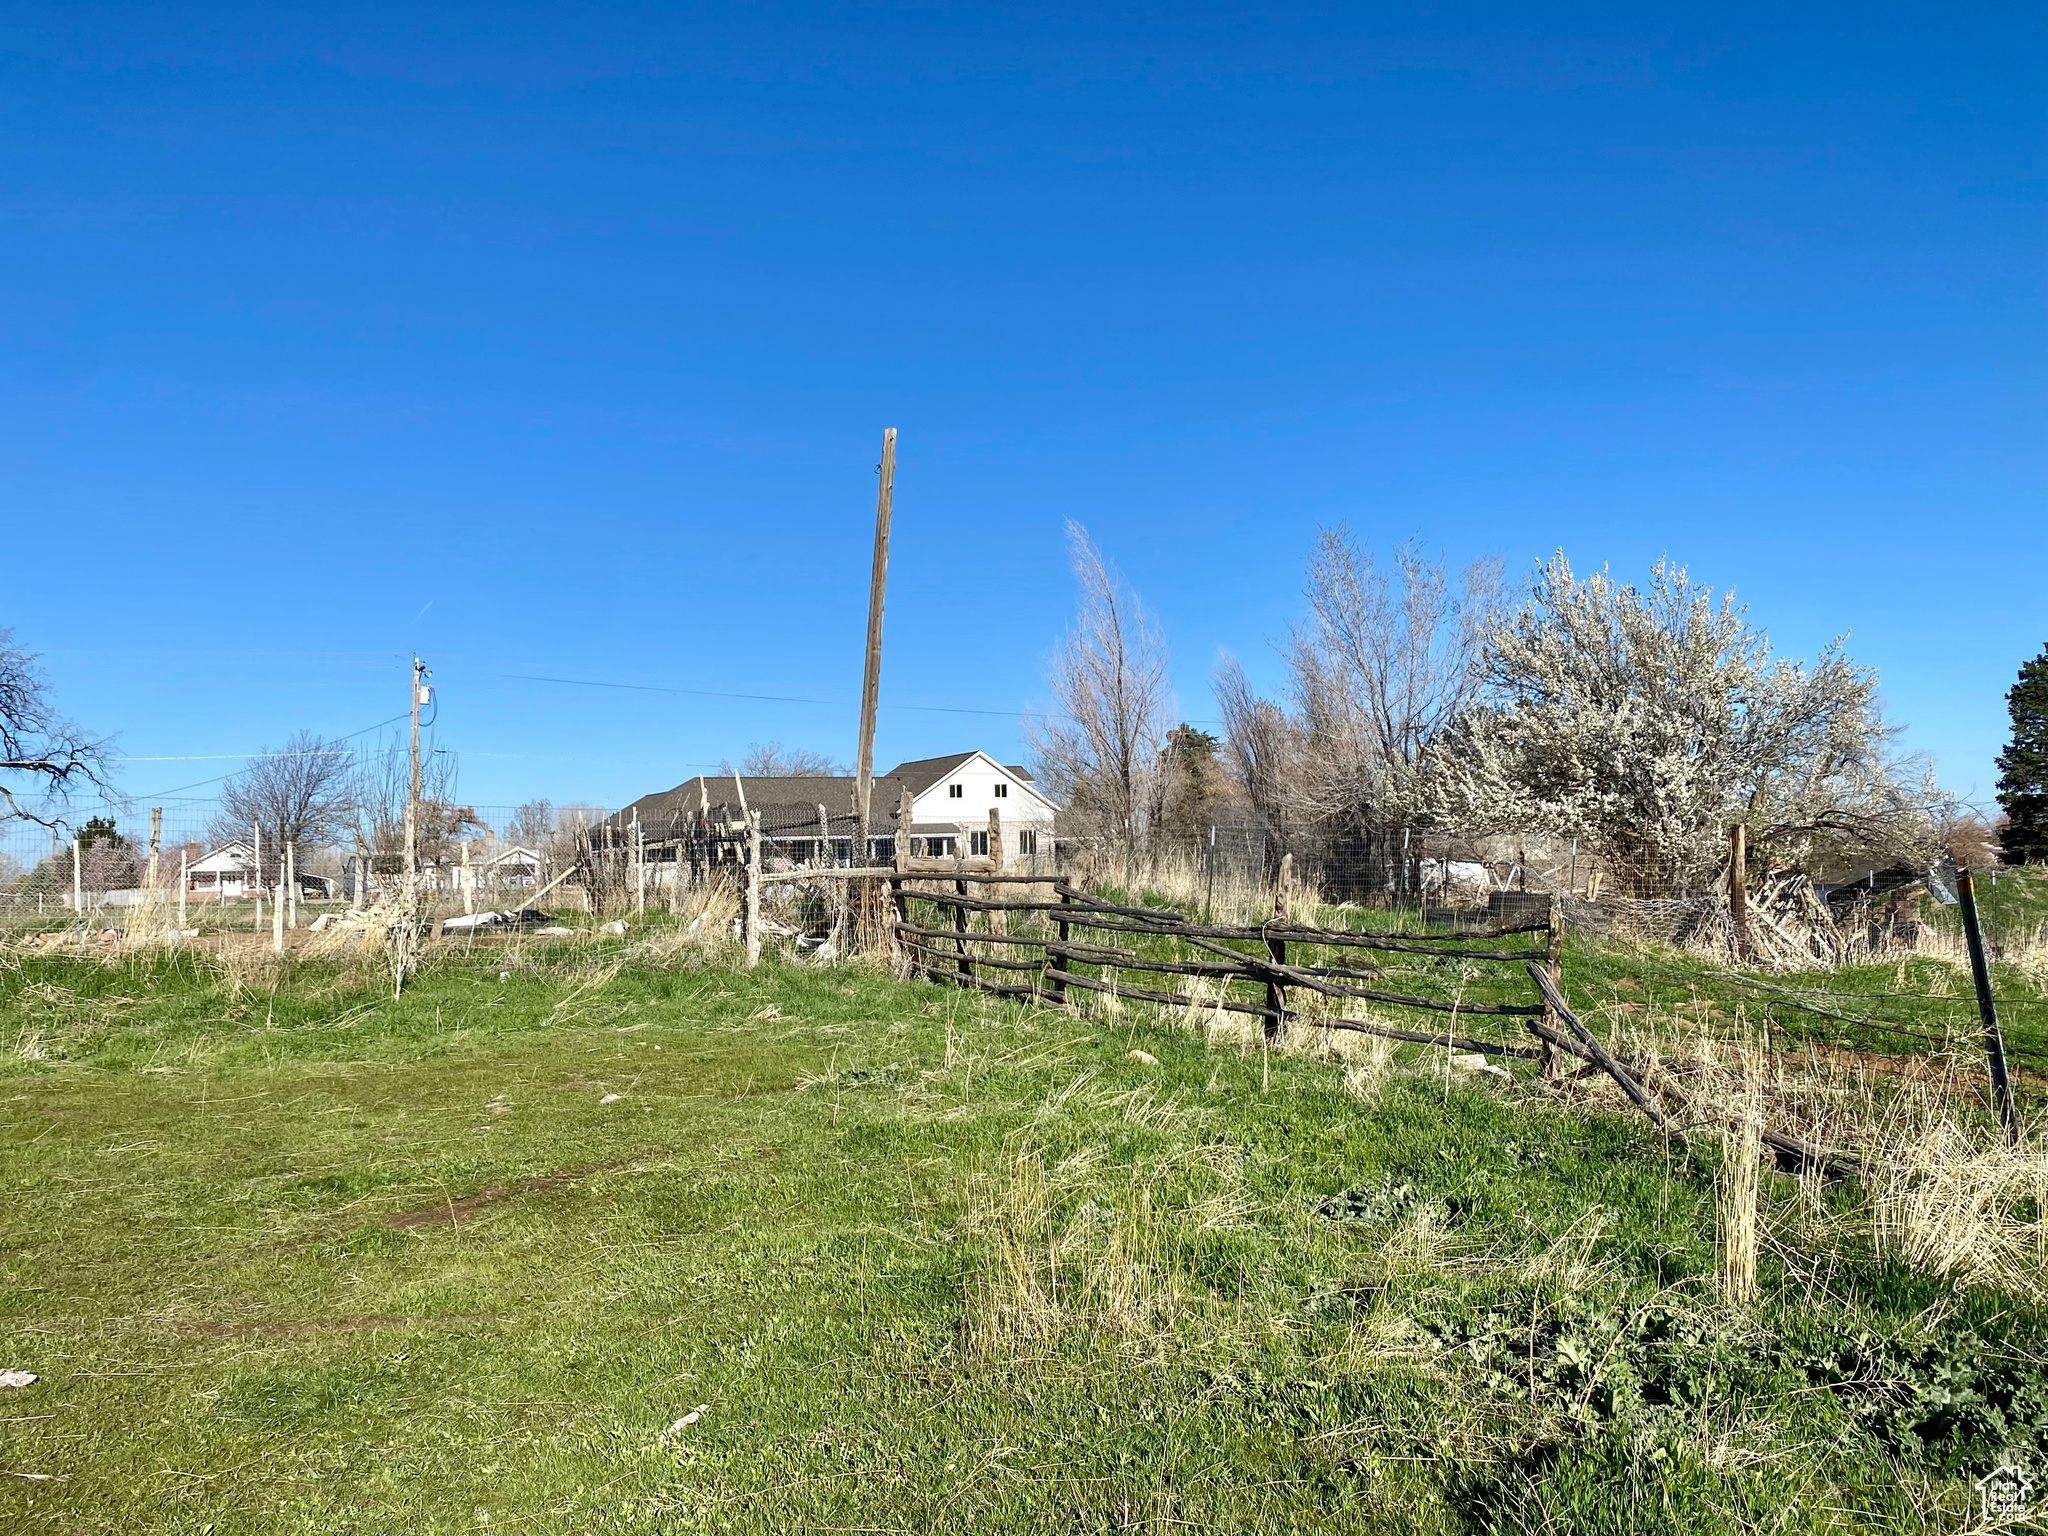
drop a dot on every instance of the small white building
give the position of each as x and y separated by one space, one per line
513 867
228 873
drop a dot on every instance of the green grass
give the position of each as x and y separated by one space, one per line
294 1256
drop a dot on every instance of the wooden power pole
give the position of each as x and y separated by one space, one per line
871 684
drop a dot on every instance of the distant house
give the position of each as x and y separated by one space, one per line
810 820
514 865
226 874
229 873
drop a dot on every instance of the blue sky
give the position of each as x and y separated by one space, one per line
557 341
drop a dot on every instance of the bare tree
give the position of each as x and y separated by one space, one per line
383 784
1644 723
1100 755
1261 749
1384 666
772 760
304 793
531 825
1381 670
43 757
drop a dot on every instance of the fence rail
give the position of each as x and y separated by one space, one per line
1042 965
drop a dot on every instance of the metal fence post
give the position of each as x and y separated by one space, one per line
1987 1008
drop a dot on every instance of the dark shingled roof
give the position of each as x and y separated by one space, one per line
922 774
790 806
786 805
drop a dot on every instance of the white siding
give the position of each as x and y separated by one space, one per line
978 779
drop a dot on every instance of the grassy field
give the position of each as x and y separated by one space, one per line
607 1235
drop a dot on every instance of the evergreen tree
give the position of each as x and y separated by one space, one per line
2023 767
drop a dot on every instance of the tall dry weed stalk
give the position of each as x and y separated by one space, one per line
1736 1198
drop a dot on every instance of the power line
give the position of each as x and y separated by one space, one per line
760 698
159 794
779 698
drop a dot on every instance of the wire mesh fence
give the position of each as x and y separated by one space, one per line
106 857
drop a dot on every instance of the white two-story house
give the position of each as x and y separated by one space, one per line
810 819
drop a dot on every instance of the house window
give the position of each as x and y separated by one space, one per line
1027 840
1002 791
956 791
940 847
977 844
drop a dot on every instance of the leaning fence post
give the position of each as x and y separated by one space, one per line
752 872
1276 995
1987 1008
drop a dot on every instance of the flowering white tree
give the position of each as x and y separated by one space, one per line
1644 723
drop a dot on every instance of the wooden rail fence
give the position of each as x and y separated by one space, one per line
1037 947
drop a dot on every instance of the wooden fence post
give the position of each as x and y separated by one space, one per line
291 884
156 843
184 862
277 904
78 892
960 928
1276 995
998 922
898 890
752 919
1738 886
896 900
1059 985
1553 965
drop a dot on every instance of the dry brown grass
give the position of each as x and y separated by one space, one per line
1942 1191
1947 1199
1057 1260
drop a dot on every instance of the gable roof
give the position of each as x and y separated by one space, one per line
229 856
786 804
921 774
926 772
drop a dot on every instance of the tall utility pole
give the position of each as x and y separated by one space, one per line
871 685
